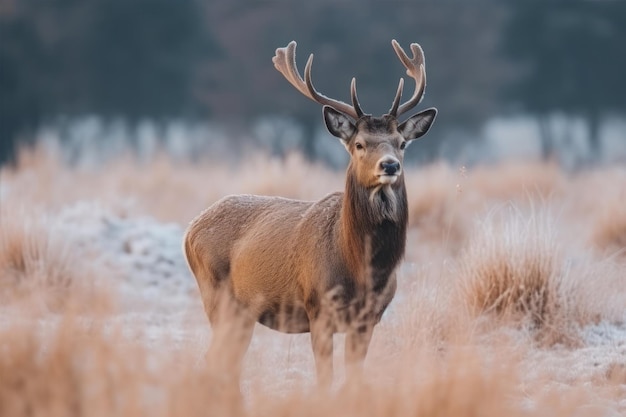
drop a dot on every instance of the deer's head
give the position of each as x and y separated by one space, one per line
376 144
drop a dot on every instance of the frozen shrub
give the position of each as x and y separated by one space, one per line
511 268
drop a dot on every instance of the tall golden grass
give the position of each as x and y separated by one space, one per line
499 258
79 369
512 266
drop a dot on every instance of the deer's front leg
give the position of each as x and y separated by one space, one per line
322 343
357 342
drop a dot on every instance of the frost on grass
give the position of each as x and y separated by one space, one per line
512 269
519 280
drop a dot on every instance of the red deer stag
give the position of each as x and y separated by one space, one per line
325 266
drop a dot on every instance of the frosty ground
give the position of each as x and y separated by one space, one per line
121 236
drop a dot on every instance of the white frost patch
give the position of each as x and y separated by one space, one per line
604 346
606 334
144 257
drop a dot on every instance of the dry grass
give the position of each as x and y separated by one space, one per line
459 338
512 268
76 369
609 228
39 265
437 206
596 199
517 181
162 187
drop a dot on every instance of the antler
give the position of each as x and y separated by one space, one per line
414 69
285 63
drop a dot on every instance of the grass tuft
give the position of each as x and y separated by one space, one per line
511 268
36 261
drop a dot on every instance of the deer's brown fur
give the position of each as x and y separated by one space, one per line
321 267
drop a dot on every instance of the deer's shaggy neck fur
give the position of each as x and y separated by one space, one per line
373 229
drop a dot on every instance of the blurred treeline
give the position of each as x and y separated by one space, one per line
164 60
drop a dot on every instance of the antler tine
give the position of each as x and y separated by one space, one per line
285 62
396 101
355 99
414 69
322 99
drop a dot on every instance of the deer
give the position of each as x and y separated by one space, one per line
323 267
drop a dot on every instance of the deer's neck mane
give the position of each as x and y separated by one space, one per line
373 229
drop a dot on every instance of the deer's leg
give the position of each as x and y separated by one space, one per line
232 329
322 343
357 343
229 345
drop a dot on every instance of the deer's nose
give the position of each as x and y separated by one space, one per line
390 167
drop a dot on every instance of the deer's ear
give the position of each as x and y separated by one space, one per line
338 124
417 126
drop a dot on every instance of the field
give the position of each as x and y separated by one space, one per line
511 298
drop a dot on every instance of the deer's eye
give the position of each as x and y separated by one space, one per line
403 145
359 146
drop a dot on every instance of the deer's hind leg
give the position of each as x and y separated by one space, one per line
232 328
